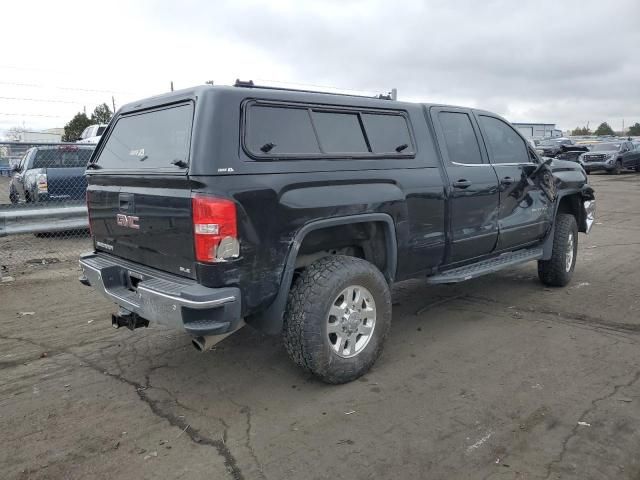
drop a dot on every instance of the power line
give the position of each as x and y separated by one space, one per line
28 115
73 89
25 99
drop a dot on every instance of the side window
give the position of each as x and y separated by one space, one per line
387 133
340 132
505 145
278 130
461 141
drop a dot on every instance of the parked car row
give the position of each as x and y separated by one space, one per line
612 155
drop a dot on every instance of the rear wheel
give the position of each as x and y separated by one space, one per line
558 270
337 318
13 196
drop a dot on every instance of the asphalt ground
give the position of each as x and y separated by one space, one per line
495 378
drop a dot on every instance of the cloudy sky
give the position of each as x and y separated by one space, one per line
565 62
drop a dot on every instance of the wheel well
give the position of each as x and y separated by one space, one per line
571 204
364 240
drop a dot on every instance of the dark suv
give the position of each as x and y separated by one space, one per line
295 211
612 157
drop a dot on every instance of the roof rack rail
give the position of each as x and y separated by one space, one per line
392 95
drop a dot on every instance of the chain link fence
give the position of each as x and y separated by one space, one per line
43 217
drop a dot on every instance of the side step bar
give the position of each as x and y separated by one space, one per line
484 267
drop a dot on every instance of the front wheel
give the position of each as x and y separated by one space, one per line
558 270
337 318
617 168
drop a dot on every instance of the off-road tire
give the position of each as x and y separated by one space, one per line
553 272
13 197
305 321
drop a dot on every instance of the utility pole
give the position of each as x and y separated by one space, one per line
172 85
113 102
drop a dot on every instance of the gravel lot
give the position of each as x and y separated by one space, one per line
496 378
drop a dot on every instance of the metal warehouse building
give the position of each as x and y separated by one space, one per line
538 130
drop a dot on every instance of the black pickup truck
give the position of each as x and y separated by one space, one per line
294 211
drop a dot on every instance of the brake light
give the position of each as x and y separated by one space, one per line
215 229
41 181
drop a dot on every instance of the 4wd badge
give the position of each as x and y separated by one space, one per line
128 221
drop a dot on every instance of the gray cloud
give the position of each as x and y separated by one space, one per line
568 62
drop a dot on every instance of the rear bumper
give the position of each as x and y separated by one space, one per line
163 298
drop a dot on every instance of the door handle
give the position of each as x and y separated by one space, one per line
462 183
506 181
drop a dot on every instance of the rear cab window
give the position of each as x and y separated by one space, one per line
62 157
157 139
297 131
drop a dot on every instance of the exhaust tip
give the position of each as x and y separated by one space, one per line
199 343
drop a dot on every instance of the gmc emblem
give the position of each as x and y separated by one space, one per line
128 221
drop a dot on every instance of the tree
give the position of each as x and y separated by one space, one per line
634 130
14 134
604 129
581 131
74 128
101 114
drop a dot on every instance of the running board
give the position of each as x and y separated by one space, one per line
484 267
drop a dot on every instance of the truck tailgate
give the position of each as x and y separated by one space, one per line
153 228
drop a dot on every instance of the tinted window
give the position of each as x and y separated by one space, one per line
339 132
100 131
63 157
504 143
387 133
277 130
149 140
461 141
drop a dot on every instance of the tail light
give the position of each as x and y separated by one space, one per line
215 229
41 182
